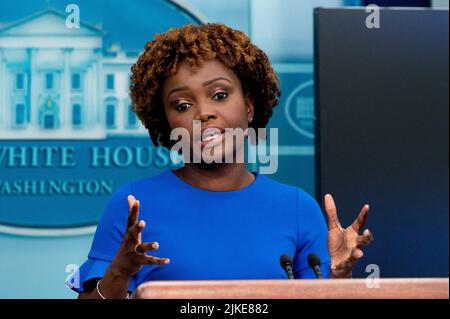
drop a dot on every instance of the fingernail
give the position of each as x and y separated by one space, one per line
142 224
155 245
166 261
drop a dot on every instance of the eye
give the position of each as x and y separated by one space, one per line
221 96
183 107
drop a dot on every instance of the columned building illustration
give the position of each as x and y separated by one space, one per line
61 83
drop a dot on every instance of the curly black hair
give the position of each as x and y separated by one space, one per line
195 44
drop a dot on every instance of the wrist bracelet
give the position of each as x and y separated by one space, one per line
103 297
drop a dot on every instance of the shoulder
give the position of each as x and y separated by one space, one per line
305 204
290 192
289 199
310 215
156 186
277 188
158 180
117 206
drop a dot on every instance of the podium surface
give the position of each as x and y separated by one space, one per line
404 288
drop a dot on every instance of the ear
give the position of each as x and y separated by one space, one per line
249 104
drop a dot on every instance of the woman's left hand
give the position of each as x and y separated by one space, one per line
344 245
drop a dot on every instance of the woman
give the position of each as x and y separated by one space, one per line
210 221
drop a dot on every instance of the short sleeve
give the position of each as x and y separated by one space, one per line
107 239
312 237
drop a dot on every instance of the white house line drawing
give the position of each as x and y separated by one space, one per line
61 83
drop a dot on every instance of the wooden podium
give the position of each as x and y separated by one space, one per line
405 288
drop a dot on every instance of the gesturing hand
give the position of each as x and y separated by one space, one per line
131 256
344 245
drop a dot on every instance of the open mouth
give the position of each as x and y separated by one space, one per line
211 135
212 138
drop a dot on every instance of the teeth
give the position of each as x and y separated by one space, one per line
210 137
210 134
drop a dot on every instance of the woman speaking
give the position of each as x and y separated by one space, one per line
210 220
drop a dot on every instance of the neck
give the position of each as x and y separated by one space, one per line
216 177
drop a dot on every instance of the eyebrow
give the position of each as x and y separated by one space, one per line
182 88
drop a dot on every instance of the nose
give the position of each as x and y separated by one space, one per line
205 112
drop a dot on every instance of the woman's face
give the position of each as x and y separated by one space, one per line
213 95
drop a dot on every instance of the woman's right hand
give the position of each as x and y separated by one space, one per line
131 256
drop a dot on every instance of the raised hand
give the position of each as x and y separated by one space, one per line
344 245
132 256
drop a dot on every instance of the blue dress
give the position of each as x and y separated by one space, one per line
211 235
